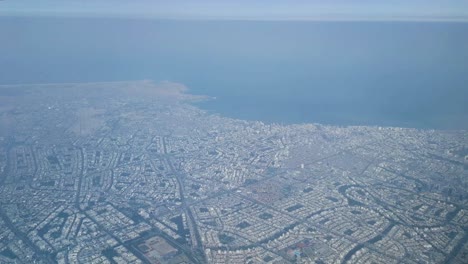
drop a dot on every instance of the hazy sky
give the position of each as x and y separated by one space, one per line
247 9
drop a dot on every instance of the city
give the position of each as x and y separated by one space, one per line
134 172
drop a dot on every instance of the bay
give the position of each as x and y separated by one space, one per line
406 74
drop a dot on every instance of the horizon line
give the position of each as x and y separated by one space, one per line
338 18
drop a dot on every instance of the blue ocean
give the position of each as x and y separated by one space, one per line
406 74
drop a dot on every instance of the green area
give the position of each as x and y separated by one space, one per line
225 239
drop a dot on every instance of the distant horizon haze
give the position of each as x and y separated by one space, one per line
317 10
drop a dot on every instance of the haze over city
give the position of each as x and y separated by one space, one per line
233 131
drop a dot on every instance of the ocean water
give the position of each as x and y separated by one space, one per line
405 74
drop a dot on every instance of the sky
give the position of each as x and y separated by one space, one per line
246 9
